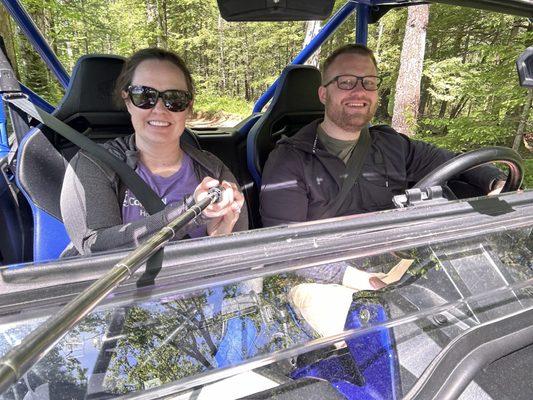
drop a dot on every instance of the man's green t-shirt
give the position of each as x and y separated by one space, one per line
340 148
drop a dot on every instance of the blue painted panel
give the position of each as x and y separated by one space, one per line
375 356
49 236
369 370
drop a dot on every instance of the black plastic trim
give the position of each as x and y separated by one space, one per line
522 8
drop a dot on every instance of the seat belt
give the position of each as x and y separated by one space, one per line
353 169
144 193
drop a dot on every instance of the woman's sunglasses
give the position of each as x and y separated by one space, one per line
146 97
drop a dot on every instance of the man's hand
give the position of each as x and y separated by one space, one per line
496 187
361 280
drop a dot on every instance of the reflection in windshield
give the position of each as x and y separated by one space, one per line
147 344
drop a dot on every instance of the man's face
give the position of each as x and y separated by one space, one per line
350 110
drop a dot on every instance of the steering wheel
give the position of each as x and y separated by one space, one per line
472 159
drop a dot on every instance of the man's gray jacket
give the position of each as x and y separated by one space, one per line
301 179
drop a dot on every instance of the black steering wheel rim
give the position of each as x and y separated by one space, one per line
475 158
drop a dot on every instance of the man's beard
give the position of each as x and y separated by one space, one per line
347 121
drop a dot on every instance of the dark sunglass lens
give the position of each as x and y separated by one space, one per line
143 97
176 100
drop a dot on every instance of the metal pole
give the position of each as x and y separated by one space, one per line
36 345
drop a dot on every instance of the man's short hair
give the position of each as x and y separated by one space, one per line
360 49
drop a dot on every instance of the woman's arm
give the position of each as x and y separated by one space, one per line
92 214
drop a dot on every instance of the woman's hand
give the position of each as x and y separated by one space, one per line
224 214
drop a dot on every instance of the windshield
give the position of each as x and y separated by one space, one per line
277 323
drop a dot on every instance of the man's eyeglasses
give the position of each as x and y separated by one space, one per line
348 82
146 97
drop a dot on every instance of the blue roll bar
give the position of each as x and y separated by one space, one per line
317 41
361 25
24 21
36 99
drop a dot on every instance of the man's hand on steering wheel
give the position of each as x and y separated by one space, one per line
496 187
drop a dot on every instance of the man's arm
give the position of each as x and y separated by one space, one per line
283 194
423 158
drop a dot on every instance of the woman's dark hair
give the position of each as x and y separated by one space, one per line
152 53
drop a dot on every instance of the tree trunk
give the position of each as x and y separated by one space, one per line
523 120
162 29
85 27
459 107
151 17
222 60
379 39
311 30
424 95
6 31
407 97
442 110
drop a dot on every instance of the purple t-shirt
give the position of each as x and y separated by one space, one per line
170 189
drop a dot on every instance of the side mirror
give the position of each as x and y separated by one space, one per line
524 64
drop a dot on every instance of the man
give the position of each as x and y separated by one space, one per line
304 175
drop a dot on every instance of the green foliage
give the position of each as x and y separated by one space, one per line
469 92
212 105
466 133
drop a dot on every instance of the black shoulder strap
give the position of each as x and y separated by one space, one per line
143 192
353 169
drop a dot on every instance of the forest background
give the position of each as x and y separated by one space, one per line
468 92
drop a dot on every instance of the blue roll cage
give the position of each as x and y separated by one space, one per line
362 9
39 43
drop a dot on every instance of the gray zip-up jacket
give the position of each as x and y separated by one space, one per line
92 195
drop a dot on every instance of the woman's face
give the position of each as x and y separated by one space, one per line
157 125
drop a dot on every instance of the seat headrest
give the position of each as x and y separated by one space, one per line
297 90
90 90
295 104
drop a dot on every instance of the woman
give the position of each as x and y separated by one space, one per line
99 213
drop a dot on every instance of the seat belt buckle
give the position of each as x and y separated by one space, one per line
8 96
417 196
